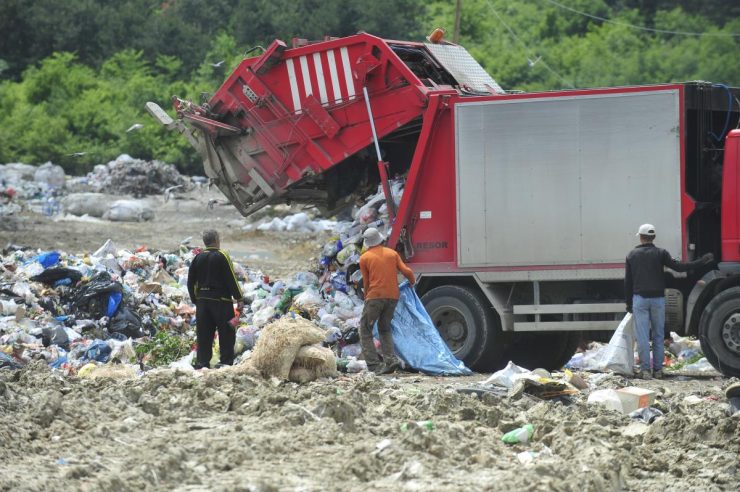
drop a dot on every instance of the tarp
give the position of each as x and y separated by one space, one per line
417 341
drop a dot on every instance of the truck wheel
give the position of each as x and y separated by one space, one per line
719 332
466 324
549 351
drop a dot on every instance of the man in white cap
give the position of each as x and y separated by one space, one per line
380 267
644 292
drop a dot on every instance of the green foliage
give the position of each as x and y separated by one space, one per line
162 349
74 76
535 45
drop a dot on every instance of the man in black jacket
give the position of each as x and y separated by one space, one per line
644 292
213 287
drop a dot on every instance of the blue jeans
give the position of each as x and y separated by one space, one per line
649 311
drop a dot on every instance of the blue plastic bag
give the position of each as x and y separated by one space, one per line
114 300
98 350
48 259
417 341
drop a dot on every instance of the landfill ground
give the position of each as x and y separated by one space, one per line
225 430
280 254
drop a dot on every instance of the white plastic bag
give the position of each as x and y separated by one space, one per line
308 299
507 376
51 174
91 204
619 355
128 211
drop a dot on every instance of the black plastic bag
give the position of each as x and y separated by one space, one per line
126 322
92 298
51 275
55 335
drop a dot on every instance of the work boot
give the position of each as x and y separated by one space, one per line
389 367
640 374
658 374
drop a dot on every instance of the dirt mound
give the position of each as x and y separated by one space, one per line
226 430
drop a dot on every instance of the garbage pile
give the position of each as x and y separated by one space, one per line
298 222
47 190
340 256
683 356
34 187
129 176
66 309
132 307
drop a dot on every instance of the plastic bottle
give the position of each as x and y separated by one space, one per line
521 435
422 424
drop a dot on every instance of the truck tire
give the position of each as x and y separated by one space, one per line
719 332
549 351
467 324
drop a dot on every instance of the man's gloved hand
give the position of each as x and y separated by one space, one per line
240 306
707 258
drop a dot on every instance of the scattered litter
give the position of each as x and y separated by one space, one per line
128 176
522 435
646 415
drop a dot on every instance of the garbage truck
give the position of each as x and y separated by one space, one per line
518 209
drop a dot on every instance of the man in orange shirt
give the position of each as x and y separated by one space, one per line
380 267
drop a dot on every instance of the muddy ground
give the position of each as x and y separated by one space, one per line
224 430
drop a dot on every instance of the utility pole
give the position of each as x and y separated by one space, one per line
456 34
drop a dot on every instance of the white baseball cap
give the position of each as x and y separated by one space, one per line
646 230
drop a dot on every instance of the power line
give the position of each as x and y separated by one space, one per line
641 28
526 48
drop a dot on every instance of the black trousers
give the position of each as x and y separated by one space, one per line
210 317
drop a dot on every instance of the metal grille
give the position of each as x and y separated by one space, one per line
463 67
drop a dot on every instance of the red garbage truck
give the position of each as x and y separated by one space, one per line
518 208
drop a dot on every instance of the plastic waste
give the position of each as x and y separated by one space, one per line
507 376
263 316
184 363
50 258
55 336
522 435
333 335
619 355
90 204
306 278
128 211
702 365
127 322
342 300
98 351
421 424
7 362
346 253
57 276
606 397
8 308
355 366
247 336
417 341
646 415
114 300
339 282
108 248
50 174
